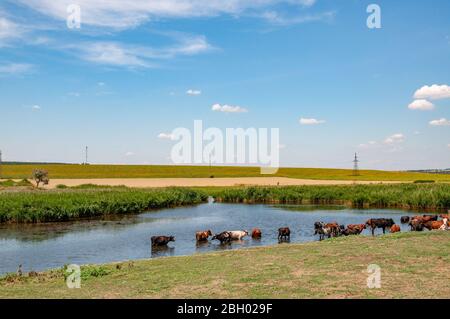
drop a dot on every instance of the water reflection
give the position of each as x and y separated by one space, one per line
159 251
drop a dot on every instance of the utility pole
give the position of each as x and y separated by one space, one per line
86 153
355 166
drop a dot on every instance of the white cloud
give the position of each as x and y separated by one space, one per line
193 92
278 19
75 94
440 122
16 69
394 139
433 92
9 31
310 121
228 108
137 56
166 136
131 13
35 107
422 105
129 154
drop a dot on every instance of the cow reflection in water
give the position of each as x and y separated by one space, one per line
160 251
202 244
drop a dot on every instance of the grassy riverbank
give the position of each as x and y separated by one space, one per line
62 205
411 196
24 206
67 171
413 265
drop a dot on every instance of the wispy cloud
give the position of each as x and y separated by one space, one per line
135 56
193 92
129 14
9 31
16 69
394 139
35 107
440 122
277 18
310 121
166 136
228 108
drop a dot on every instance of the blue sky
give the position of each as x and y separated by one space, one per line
124 77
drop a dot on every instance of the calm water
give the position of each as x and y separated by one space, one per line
39 247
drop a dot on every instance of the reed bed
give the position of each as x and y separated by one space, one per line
68 204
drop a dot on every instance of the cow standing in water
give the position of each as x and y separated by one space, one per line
238 234
161 240
203 235
223 237
380 223
284 233
256 233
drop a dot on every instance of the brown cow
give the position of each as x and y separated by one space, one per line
395 228
161 240
256 233
284 233
203 235
431 225
416 225
356 229
380 223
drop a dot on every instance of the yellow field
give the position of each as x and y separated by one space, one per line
72 171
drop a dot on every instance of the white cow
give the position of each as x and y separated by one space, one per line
238 234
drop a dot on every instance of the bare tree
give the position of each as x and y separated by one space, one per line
40 176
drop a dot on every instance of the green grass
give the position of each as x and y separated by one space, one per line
92 201
12 183
413 265
160 171
66 204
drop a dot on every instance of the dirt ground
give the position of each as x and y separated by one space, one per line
203 182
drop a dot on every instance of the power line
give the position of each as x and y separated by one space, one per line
355 166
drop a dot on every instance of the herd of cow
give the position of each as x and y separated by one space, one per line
416 223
